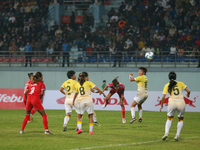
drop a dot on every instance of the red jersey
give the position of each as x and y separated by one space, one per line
26 85
35 89
113 90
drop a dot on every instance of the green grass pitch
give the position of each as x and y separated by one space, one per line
112 134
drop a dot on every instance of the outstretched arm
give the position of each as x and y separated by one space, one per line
105 88
100 92
131 77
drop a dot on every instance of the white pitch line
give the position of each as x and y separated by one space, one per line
115 145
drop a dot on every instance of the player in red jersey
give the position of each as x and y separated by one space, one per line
118 88
35 92
24 98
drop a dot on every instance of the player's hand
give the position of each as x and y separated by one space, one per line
104 94
161 107
72 105
131 74
96 91
188 95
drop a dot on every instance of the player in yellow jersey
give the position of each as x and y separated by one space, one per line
69 86
84 101
142 93
176 103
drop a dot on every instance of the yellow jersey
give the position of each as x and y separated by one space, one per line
69 85
176 93
142 83
84 91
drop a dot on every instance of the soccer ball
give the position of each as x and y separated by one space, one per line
149 55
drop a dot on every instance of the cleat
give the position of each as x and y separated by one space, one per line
164 137
47 132
79 131
140 120
21 132
132 120
123 120
105 104
91 132
176 138
76 129
96 123
64 129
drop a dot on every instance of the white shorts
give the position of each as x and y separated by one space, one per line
81 107
141 97
68 109
176 106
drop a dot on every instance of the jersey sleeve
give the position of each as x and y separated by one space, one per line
43 87
63 85
91 84
183 85
138 78
165 90
110 85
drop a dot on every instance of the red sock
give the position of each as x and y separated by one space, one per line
26 118
123 112
33 111
45 121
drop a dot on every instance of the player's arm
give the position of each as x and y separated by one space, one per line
131 77
75 96
42 93
62 90
26 92
188 92
100 92
105 88
162 101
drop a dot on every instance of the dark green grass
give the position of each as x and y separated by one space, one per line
112 133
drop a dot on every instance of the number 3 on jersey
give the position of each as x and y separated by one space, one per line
82 92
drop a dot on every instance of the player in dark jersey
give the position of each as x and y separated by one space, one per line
118 88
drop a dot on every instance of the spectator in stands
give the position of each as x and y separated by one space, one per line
197 41
89 50
101 25
65 49
111 13
13 48
173 50
49 50
91 20
44 37
28 54
180 51
58 31
100 40
114 17
81 44
141 43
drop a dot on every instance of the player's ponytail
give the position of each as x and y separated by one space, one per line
81 78
172 82
115 81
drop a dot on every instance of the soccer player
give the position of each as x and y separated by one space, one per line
118 88
36 88
24 98
176 103
84 101
142 93
69 86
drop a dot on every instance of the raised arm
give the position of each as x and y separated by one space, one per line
131 77
100 91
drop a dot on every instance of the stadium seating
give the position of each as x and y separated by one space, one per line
93 59
100 59
185 59
178 59
171 59
80 59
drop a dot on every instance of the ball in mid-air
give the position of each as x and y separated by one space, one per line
149 55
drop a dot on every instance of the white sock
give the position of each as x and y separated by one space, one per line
79 125
179 127
94 117
133 112
167 126
91 127
66 119
140 113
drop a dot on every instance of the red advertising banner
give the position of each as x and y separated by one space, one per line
66 19
11 99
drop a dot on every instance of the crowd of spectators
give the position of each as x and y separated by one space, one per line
165 27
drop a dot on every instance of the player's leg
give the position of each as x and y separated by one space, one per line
170 116
123 109
180 114
95 119
140 110
68 111
90 111
80 108
107 99
26 118
134 103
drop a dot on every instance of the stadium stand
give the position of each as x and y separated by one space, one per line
168 28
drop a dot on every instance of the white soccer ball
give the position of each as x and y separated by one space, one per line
149 55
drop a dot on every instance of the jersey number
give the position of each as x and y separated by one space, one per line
176 91
81 89
32 90
68 88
